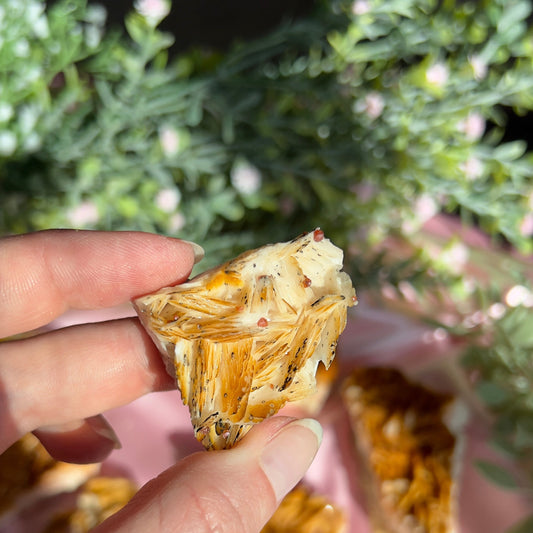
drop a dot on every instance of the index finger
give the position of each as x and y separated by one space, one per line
45 273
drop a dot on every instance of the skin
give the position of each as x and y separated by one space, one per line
57 383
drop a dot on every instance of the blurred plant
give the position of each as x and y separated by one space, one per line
367 119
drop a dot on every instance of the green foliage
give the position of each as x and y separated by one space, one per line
345 117
505 366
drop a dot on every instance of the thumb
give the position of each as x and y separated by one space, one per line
226 490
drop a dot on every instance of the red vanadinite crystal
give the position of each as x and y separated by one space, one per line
262 322
318 235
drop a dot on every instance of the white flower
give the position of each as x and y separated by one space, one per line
472 168
154 11
32 142
84 214
40 27
473 126
455 256
170 140
33 11
519 295
168 199
496 311
93 36
437 74
479 67
176 222
28 117
323 131
360 7
8 143
6 112
32 74
22 48
245 178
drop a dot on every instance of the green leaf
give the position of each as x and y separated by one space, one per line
492 394
510 151
496 474
513 15
137 28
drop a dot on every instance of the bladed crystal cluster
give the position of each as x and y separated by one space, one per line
246 337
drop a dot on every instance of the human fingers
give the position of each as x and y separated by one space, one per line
227 490
44 273
82 441
75 373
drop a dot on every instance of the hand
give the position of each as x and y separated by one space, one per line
56 383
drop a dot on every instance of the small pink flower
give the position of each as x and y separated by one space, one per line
168 199
408 291
154 11
374 105
425 207
170 140
472 168
360 7
84 214
437 74
473 126
246 178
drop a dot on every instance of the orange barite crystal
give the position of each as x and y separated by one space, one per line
246 337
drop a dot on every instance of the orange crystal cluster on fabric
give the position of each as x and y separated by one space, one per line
406 446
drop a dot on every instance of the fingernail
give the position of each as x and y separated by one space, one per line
101 427
289 454
198 251
62 428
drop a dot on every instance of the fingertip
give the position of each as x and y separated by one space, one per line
287 456
197 250
227 490
80 442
